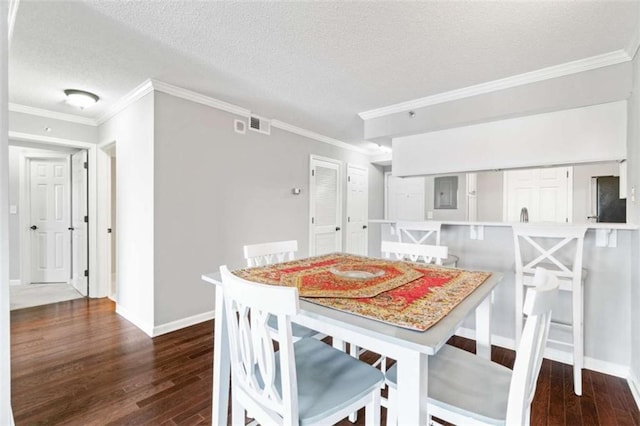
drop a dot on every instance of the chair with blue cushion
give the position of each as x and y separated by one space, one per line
466 389
268 254
303 383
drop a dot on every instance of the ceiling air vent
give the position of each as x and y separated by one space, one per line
259 124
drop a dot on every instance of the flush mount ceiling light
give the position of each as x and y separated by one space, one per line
80 98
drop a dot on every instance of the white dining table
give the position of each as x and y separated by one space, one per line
410 348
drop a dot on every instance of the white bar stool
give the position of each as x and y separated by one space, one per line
557 248
421 233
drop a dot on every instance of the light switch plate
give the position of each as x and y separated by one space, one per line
13 209
429 215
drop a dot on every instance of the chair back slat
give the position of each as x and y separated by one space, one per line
414 252
418 232
270 253
560 246
248 306
530 352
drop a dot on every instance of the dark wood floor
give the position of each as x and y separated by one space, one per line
78 363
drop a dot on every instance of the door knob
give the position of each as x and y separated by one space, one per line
337 228
33 227
364 226
71 228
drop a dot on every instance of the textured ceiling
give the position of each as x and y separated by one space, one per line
312 64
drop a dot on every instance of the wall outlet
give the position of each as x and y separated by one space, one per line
429 215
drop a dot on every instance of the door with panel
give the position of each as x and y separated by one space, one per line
79 222
325 207
357 209
405 198
49 212
546 193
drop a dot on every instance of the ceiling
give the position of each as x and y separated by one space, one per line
315 65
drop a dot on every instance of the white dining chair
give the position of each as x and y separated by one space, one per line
558 249
466 389
414 252
268 254
303 383
426 232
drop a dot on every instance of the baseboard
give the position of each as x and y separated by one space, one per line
183 323
634 385
124 313
15 282
605 367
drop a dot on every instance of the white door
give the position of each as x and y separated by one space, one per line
49 205
79 278
325 207
546 193
357 210
405 198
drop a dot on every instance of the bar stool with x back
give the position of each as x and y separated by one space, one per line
557 248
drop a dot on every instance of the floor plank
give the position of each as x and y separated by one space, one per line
79 363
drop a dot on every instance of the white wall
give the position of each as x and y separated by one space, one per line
633 213
6 417
216 190
133 131
36 125
594 133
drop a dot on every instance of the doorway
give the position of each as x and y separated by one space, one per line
108 228
544 194
43 249
357 209
325 210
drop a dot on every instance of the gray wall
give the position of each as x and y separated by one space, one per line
607 313
490 200
633 210
597 86
216 190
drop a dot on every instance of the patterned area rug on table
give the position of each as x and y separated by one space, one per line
417 305
314 277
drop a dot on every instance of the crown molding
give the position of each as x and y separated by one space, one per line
24 109
134 95
568 68
150 85
316 136
199 98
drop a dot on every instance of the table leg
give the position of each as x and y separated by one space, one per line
413 376
221 363
483 328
